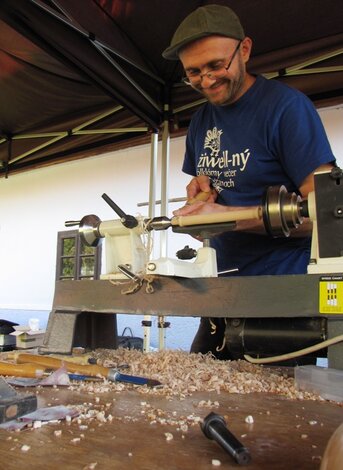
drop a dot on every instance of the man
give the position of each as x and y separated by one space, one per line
252 133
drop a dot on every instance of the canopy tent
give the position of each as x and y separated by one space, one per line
81 77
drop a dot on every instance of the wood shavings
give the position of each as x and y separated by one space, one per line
90 466
169 436
208 404
216 463
182 374
249 419
76 440
101 417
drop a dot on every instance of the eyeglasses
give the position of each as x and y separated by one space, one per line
217 72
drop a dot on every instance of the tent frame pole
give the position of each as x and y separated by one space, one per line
165 156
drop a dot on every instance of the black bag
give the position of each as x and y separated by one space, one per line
130 341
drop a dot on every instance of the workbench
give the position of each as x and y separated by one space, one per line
285 434
83 313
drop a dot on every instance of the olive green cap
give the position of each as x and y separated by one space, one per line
204 21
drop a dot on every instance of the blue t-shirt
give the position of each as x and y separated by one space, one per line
271 136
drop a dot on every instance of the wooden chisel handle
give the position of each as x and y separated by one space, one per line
201 196
21 370
54 363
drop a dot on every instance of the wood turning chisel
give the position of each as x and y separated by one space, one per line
91 370
22 370
34 371
78 359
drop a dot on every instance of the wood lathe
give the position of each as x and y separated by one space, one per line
295 311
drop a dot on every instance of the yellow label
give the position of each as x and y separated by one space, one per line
331 295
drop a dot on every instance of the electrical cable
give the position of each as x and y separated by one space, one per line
292 355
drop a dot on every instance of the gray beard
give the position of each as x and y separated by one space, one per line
235 86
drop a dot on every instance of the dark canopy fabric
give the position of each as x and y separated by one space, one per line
79 77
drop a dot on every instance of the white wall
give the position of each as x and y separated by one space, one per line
34 206
332 119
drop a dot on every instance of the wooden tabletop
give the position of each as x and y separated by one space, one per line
285 434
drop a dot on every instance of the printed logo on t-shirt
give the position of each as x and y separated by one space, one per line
212 141
220 166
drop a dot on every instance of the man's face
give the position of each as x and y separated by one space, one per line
211 53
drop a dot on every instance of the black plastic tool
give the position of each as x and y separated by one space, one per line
129 221
214 427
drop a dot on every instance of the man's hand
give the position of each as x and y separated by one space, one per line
200 207
199 192
200 184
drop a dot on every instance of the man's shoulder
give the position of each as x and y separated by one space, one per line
276 97
278 88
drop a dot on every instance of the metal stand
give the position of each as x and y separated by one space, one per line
90 330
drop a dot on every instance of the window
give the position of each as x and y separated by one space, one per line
75 259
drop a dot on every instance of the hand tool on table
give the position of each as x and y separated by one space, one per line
13 404
21 370
91 370
86 358
214 427
34 371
